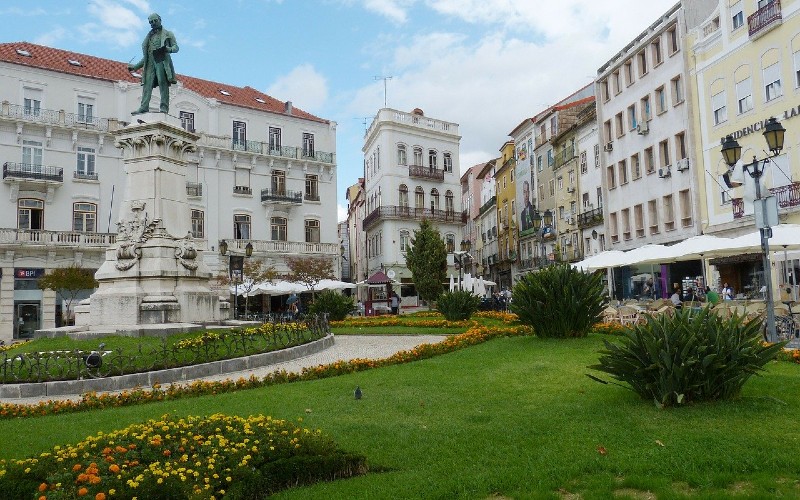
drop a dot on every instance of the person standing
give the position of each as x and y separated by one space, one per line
712 297
157 63
395 303
727 292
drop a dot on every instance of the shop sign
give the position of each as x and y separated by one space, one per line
21 273
787 114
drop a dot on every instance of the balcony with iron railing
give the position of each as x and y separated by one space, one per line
264 148
14 172
286 247
590 218
788 196
402 212
56 238
85 176
421 172
311 196
563 156
58 118
194 189
764 19
281 196
486 206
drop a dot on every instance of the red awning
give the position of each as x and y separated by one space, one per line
379 278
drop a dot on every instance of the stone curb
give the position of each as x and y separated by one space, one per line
163 377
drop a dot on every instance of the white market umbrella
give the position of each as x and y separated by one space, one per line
783 235
697 247
609 258
327 284
480 287
649 253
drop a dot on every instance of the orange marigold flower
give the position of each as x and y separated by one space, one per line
83 491
167 453
43 487
100 496
76 467
114 468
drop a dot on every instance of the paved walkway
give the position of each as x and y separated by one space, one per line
345 348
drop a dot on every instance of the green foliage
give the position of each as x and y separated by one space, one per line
309 271
687 358
336 305
427 261
457 305
559 301
68 282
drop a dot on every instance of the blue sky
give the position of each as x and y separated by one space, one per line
484 64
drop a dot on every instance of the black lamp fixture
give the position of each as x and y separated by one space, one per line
466 245
774 134
235 268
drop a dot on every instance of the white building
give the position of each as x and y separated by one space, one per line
649 166
411 173
486 247
264 172
590 218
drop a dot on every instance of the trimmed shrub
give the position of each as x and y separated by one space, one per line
458 305
559 301
336 305
687 358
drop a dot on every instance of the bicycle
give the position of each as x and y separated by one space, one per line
787 326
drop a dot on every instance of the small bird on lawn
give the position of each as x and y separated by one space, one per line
358 392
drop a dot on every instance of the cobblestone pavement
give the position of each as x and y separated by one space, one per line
345 348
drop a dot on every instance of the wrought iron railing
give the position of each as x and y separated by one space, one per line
422 172
401 212
207 347
311 196
60 117
764 17
37 172
194 189
281 196
89 176
738 207
58 238
264 148
788 195
563 157
590 218
287 247
486 206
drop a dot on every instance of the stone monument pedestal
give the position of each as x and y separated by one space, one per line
153 274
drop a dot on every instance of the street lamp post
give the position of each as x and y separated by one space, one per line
541 223
235 269
732 152
460 258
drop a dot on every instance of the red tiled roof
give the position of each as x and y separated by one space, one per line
58 60
568 105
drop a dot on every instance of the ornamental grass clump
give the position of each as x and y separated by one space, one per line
559 301
334 304
691 356
192 457
458 305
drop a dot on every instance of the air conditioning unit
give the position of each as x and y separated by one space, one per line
570 189
609 146
643 128
682 165
664 172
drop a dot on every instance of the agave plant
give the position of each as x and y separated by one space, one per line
559 301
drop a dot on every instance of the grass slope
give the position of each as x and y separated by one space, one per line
512 417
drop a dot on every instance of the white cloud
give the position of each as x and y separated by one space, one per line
303 85
395 10
114 22
52 37
489 80
341 212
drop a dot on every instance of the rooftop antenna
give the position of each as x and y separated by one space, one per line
364 120
384 78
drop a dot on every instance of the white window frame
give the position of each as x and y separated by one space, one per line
718 108
84 217
85 162
744 96
737 16
772 82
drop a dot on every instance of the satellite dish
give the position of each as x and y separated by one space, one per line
390 274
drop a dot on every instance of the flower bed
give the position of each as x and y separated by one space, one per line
90 401
190 457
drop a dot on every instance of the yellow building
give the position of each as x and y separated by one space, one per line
745 66
506 214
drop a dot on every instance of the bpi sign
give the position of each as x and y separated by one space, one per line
28 274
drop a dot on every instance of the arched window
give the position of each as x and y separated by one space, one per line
405 241
402 159
432 157
448 203
450 242
417 157
84 217
434 199
403 201
419 198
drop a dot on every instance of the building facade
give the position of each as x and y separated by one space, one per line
411 173
746 71
505 187
264 172
485 248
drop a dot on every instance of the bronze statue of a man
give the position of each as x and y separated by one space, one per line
157 63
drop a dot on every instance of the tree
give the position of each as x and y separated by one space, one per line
67 282
427 261
254 272
309 271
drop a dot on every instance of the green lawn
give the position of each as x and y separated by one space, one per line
515 418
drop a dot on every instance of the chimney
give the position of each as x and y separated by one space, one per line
288 107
